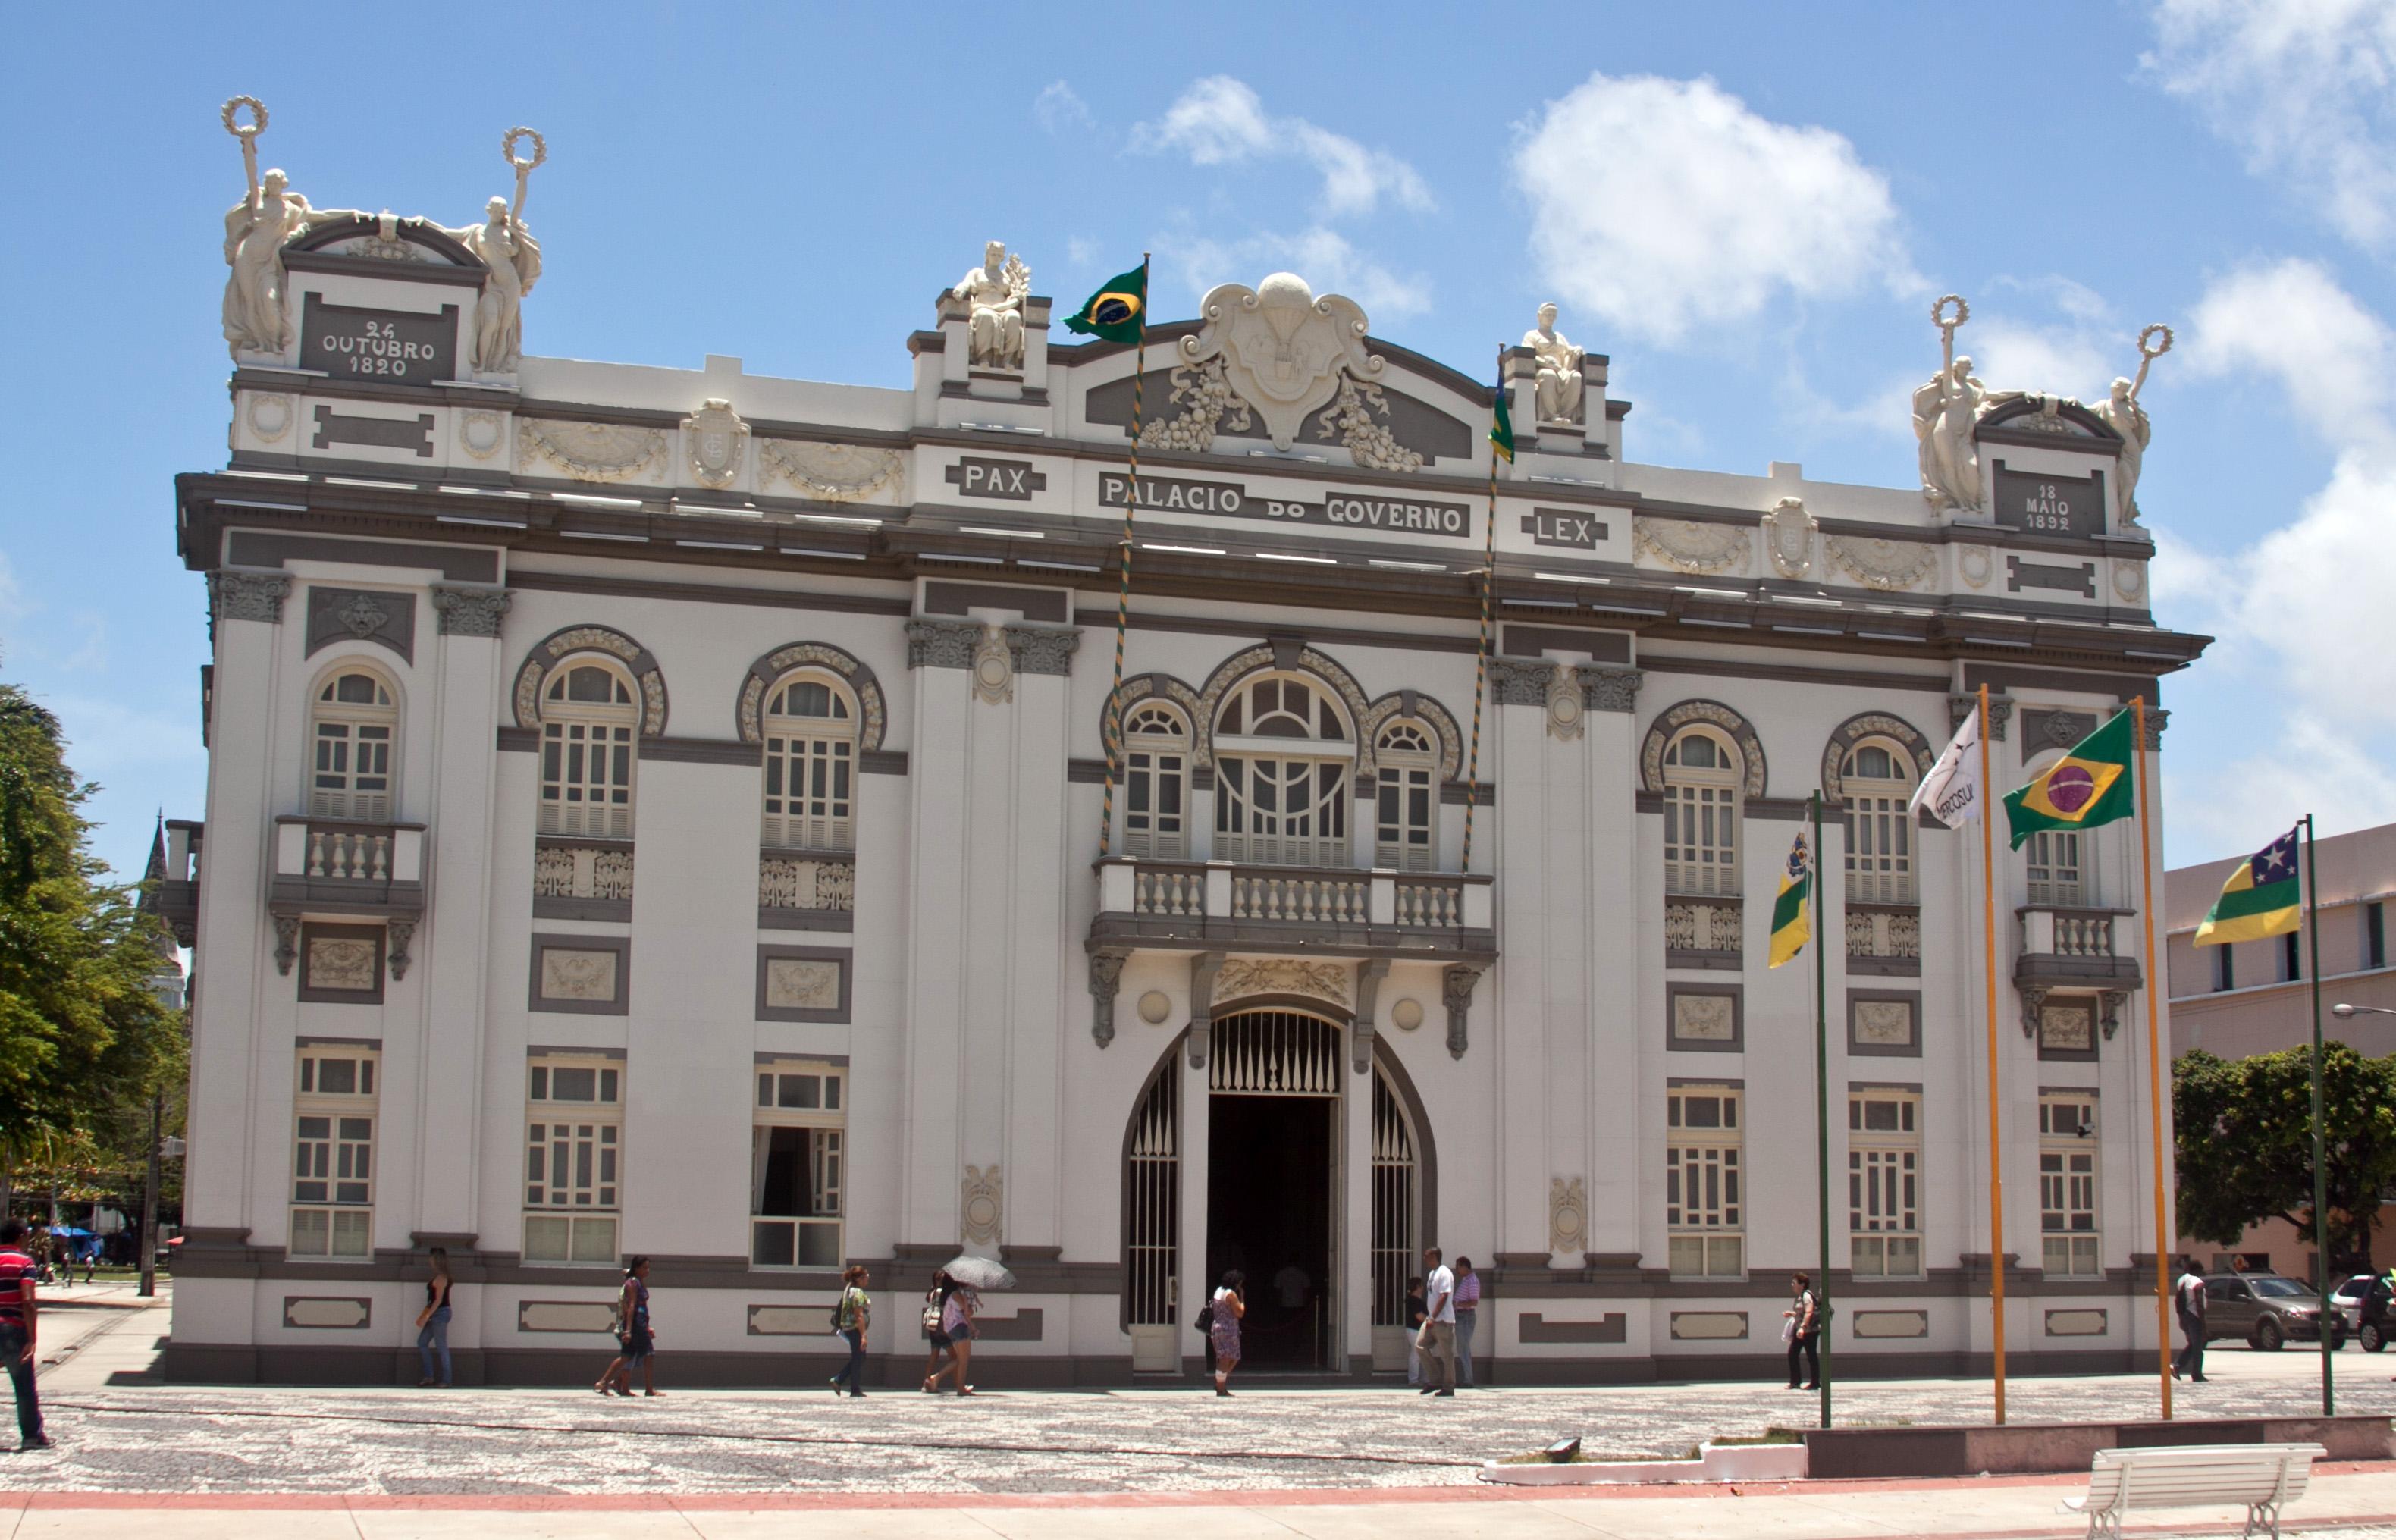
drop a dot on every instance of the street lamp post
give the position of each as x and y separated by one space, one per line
2344 1012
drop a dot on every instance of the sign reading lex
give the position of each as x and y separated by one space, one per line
1228 500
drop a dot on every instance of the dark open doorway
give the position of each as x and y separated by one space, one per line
1269 1214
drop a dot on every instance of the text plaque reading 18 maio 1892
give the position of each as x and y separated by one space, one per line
355 342
2051 505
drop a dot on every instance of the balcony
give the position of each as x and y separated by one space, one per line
2076 947
178 898
581 879
1706 931
333 867
1223 903
1883 939
807 890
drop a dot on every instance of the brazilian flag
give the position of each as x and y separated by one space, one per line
2260 899
1792 925
2091 785
1501 428
1118 310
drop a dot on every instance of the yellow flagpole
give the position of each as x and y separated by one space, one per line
2154 1053
1996 1097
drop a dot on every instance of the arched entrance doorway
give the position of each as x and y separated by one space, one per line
1272 1180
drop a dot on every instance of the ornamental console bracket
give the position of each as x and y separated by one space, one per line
1106 973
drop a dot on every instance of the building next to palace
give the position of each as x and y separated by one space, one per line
668 812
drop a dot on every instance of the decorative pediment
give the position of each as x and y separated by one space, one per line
387 237
1283 350
2030 412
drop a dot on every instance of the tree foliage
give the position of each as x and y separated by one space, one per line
2244 1137
84 1041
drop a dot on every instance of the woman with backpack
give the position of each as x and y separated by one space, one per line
632 1334
936 1309
1805 1318
1223 1313
851 1318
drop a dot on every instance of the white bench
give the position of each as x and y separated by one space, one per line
2264 1477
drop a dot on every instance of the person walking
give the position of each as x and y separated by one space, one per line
432 1324
956 1320
2188 1300
851 1318
1229 1303
1437 1338
1804 1317
17 1331
634 1336
936 1309
1415 1319
1467 1316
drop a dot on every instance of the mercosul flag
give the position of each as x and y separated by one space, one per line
1952 791
2091 785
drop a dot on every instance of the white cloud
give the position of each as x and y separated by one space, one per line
2314 767
2291 321
2303 88
1059 107
1666 206
1220 121
2054 360
1327 261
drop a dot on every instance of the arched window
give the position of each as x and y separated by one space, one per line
1877 782
1283 759
1405 825
1157 771
810 733
1701 776
353 722
589 718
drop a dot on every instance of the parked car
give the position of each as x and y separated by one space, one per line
2363 1301
2266 1309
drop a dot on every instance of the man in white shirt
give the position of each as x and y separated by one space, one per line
1438 1340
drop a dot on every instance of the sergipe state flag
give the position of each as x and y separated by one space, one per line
2261 897
2091 785
1118 310
1791 922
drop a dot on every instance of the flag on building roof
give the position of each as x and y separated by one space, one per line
1791 926
1118 311
2261 897
1501 428
1951 794
2089 786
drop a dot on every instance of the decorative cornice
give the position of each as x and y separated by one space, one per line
235 594
1604 689
942 643
1043 649
470 610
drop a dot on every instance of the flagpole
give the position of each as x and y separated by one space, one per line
2154 1050
1821 1116
1996 1098
2320 1168
1122 588
1480 658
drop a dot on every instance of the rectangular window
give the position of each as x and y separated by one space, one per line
2067 1183
586 780
352 778
1883 1184
2374 935
1701 839
1402 834
574 1150
1283 812
332 1154
808 793
1704 1206
2225 968
2056 876
797 1165
2292 961
1880 850
1154 823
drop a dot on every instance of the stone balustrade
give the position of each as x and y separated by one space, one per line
1242 895
334 866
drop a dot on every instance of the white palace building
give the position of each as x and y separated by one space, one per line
659 811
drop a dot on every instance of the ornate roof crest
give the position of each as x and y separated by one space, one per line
1283 350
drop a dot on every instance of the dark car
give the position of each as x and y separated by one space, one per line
2266 1309
2363 1301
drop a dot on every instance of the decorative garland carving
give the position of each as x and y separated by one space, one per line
836 472
1351 421
1974 565
1568 1216
1871 725
1886 566
872 713
589 451
1687 546
1255 976
984 1205
1209 399
577 638
1661 732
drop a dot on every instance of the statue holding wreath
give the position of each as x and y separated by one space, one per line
513 259
255 231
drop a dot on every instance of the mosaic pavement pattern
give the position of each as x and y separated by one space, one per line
555 1442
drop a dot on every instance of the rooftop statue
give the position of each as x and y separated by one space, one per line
2121 412
507 248
1560 377
1945 412
995 291
256 230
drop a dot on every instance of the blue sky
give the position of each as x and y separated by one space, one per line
1748 207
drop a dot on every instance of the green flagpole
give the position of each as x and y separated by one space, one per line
1821 1114
2320 1169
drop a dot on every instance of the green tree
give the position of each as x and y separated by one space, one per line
2244 1129
83 1038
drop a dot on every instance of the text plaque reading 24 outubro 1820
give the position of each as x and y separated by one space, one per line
353 342
2051 505
1228 500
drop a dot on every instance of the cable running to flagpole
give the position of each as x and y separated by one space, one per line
1122 588
1996 1093
1481 657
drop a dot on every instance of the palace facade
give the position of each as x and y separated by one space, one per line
668 812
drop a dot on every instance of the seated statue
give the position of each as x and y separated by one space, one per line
1560 377
995 292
